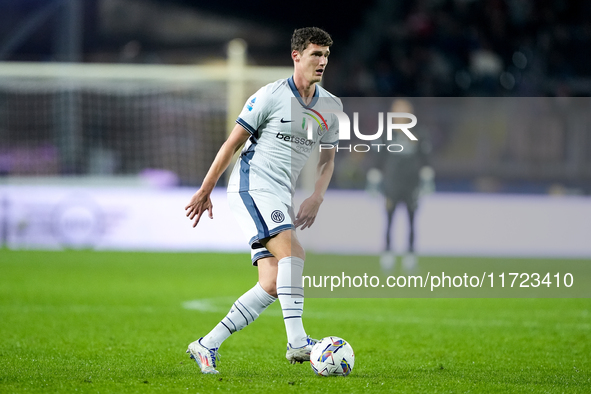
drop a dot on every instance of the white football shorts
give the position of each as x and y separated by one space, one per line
260 214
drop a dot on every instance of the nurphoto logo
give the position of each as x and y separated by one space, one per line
391 125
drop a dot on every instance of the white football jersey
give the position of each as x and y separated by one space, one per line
279 121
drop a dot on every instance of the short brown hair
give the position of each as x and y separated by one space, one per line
305 36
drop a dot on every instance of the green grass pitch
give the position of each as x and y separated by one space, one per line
109 322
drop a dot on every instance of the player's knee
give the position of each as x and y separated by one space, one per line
297 250
270 286
294 252
284 244
302 254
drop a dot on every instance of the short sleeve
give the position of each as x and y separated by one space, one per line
332 136
255 111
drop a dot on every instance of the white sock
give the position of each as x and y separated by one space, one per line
244 311
290 292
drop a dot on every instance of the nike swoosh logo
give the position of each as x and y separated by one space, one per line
295 302
285 121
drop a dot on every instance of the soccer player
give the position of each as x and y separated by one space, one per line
272 128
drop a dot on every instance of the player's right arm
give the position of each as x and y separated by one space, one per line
201 200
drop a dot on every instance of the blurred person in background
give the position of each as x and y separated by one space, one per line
403 177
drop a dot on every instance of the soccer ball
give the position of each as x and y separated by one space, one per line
332 356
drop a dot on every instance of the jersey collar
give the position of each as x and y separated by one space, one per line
295 92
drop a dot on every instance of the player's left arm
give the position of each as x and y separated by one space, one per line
309 208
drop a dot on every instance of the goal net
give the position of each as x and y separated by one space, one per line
120 120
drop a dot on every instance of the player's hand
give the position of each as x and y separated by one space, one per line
308 211
200 202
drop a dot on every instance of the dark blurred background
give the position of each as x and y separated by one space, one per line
414 48
385 48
